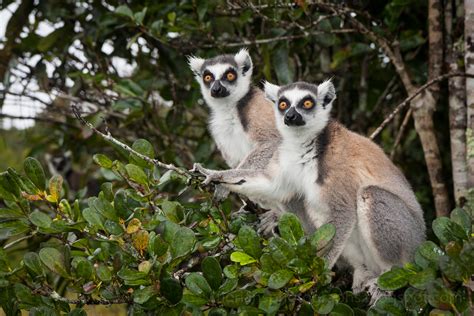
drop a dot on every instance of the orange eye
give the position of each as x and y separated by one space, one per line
308 104
230 76
283 105
207 78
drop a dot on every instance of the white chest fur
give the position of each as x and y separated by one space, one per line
299 170
229 135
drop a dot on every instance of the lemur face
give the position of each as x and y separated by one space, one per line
225 77
301 105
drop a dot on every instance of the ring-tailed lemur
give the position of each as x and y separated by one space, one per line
345 179
242 120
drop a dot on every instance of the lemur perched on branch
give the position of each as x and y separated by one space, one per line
344 178
241 121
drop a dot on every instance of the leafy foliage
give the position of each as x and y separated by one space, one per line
130 245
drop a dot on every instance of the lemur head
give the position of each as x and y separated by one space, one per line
301 106
224 79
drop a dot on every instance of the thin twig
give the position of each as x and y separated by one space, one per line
246 42
417 92
37 118
108 136
406 119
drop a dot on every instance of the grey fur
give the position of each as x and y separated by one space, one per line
221 59
378 221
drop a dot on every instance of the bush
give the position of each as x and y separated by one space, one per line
158 243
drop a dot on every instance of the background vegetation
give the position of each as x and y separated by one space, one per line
126 230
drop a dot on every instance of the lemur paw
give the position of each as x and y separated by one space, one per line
375 292
197 167
268 223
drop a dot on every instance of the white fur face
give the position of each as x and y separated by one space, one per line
302 108
224 79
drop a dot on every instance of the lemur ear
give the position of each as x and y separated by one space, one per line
271 91
326 92
243 60
195 63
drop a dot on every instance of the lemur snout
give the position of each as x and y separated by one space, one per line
218 90
292 117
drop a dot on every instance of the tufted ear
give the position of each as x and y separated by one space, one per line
243 60
195 63
271 91
326 92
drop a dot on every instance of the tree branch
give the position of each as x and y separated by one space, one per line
418 91
107 136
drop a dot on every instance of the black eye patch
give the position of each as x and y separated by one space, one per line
283 104
207 77
230 75
307 103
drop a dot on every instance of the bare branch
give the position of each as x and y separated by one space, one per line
277 38
418 91
108 136
401 131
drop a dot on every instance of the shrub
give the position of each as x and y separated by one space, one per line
158 243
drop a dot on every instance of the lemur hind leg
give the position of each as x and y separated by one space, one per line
390 233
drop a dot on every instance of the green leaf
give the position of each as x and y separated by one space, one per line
133 277
136 174
145 148
104 273
12 228
323 236
270 304
228 286
394 279
34 171
422 279
323 304
237 298
279 279
197 284
93 218
281 251
439 296
183 242
9 185
217 312
40 219
124 10
212 272
281 65
103 161
462 218
171 290
446 230
390 306
430 251
242 258
141 296
83 268
157 246
54 261
191 299
290 228
342 310
414 299
55 187
33 264
249 241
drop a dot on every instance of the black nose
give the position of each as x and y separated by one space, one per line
293 118
218 90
